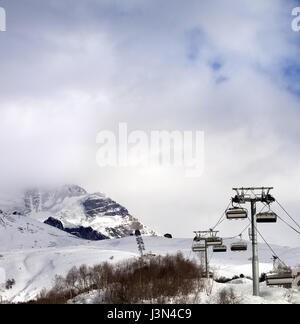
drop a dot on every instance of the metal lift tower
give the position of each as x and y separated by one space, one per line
252 196
210 238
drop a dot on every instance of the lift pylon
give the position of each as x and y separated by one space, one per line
209 238
253 195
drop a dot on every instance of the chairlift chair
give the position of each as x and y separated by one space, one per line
239 246
280 279
199 248
268 217
236 213
214 241
220 249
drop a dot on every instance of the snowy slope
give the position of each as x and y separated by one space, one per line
242 289
19 232
34 268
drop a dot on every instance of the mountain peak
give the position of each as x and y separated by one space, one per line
74 207
77 210
41 199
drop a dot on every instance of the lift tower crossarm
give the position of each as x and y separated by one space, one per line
253 188
204 234
243 196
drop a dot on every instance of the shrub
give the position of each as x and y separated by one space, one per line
227 297
10 283
263 277
154 280
222 280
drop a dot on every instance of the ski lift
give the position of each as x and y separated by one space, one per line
236 213
239 246
281 275
268 217
214 241
199 247
280 279
220 249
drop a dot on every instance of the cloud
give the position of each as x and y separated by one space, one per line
70 69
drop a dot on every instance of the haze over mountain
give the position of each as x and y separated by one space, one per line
73 209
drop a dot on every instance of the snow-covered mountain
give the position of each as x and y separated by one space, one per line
33 253
73 209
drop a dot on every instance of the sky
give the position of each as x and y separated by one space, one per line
230 68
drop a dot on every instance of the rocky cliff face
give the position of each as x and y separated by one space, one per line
86 233
82 214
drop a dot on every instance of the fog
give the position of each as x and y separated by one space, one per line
70 69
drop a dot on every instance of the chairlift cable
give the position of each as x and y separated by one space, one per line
287 213
222 221
286 223
269 246
294 229
265 205
221 218
245 229
231 238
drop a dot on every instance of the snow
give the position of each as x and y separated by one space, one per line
242 289
92 297
75 207
33 253
20 232
72 213
36 270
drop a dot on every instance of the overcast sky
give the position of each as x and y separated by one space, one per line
230 68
